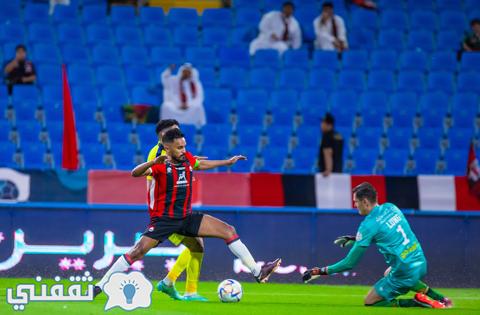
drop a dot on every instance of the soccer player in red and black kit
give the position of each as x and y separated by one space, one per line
169 205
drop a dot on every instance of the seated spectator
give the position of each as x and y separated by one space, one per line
19 70
472 40
278 30
330 30
330 155
183 96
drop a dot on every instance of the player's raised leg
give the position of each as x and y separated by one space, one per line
136 253
213 227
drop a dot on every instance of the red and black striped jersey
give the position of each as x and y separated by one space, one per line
170 191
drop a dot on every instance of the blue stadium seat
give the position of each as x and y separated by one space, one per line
361 39
40 33
373 99
460 138
183 16
105 54
55 131
403 116
147 137
393 19
12 33
157 35
28 131
344 99
122 14
46 53
363 19
65 13
88 133
325 60
395 160
114 94
374 116
381 80
118 132
296 58
426 159
264 78
399 138
470 62
383 60
433 117
456 162
422 40
411 81
49 74
72 33
364 160
215 37
52 94
93 155
94 13
292 78
208 77
249 135
343 117
36 12
124 156
464 117
355 59
201 56
391 39
25 111
413 60
304 159
251 114
80 74
33 153
108 74
244 166
274 157
220 97
309 136
369 136
242 36
138 75
313 113
441 81
10 11
216 135
233 77
217 18
305 16
84 112
464 101
442 60
7 151
448 40
315 99
266 58
279 136
166 56
232 56
468 82
423 20
25 93
247 16
151 16
134 55
142 95
450 4
430 137
387 4
322 79
127 35
450 19
214 152
83 93
98 33
351 79
436 100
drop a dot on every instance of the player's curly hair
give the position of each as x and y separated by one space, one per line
366 191
164 124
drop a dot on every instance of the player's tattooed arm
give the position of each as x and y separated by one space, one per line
209 164
144 168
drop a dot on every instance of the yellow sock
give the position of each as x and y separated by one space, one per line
193 273
180 265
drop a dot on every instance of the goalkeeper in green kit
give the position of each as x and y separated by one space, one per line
386 226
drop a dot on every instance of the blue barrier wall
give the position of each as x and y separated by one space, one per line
301 236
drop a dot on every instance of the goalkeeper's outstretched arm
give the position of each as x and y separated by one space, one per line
349 262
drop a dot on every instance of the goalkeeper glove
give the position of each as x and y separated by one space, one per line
345 240
314 273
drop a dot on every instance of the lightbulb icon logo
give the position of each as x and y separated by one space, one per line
129 288
128 291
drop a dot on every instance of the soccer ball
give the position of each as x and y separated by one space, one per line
230 291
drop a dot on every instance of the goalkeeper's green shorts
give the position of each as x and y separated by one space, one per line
400 281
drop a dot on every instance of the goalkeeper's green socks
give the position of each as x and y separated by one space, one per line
396 303
422 287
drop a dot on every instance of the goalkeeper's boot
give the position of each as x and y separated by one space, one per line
194 297
267 270
447 302
423 300
96 291
311 274
169 290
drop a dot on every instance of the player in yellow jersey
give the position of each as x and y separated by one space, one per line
190 259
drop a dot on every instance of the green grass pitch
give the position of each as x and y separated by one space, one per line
271 298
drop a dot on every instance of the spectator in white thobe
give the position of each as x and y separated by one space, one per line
183 96
278 30
330 30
